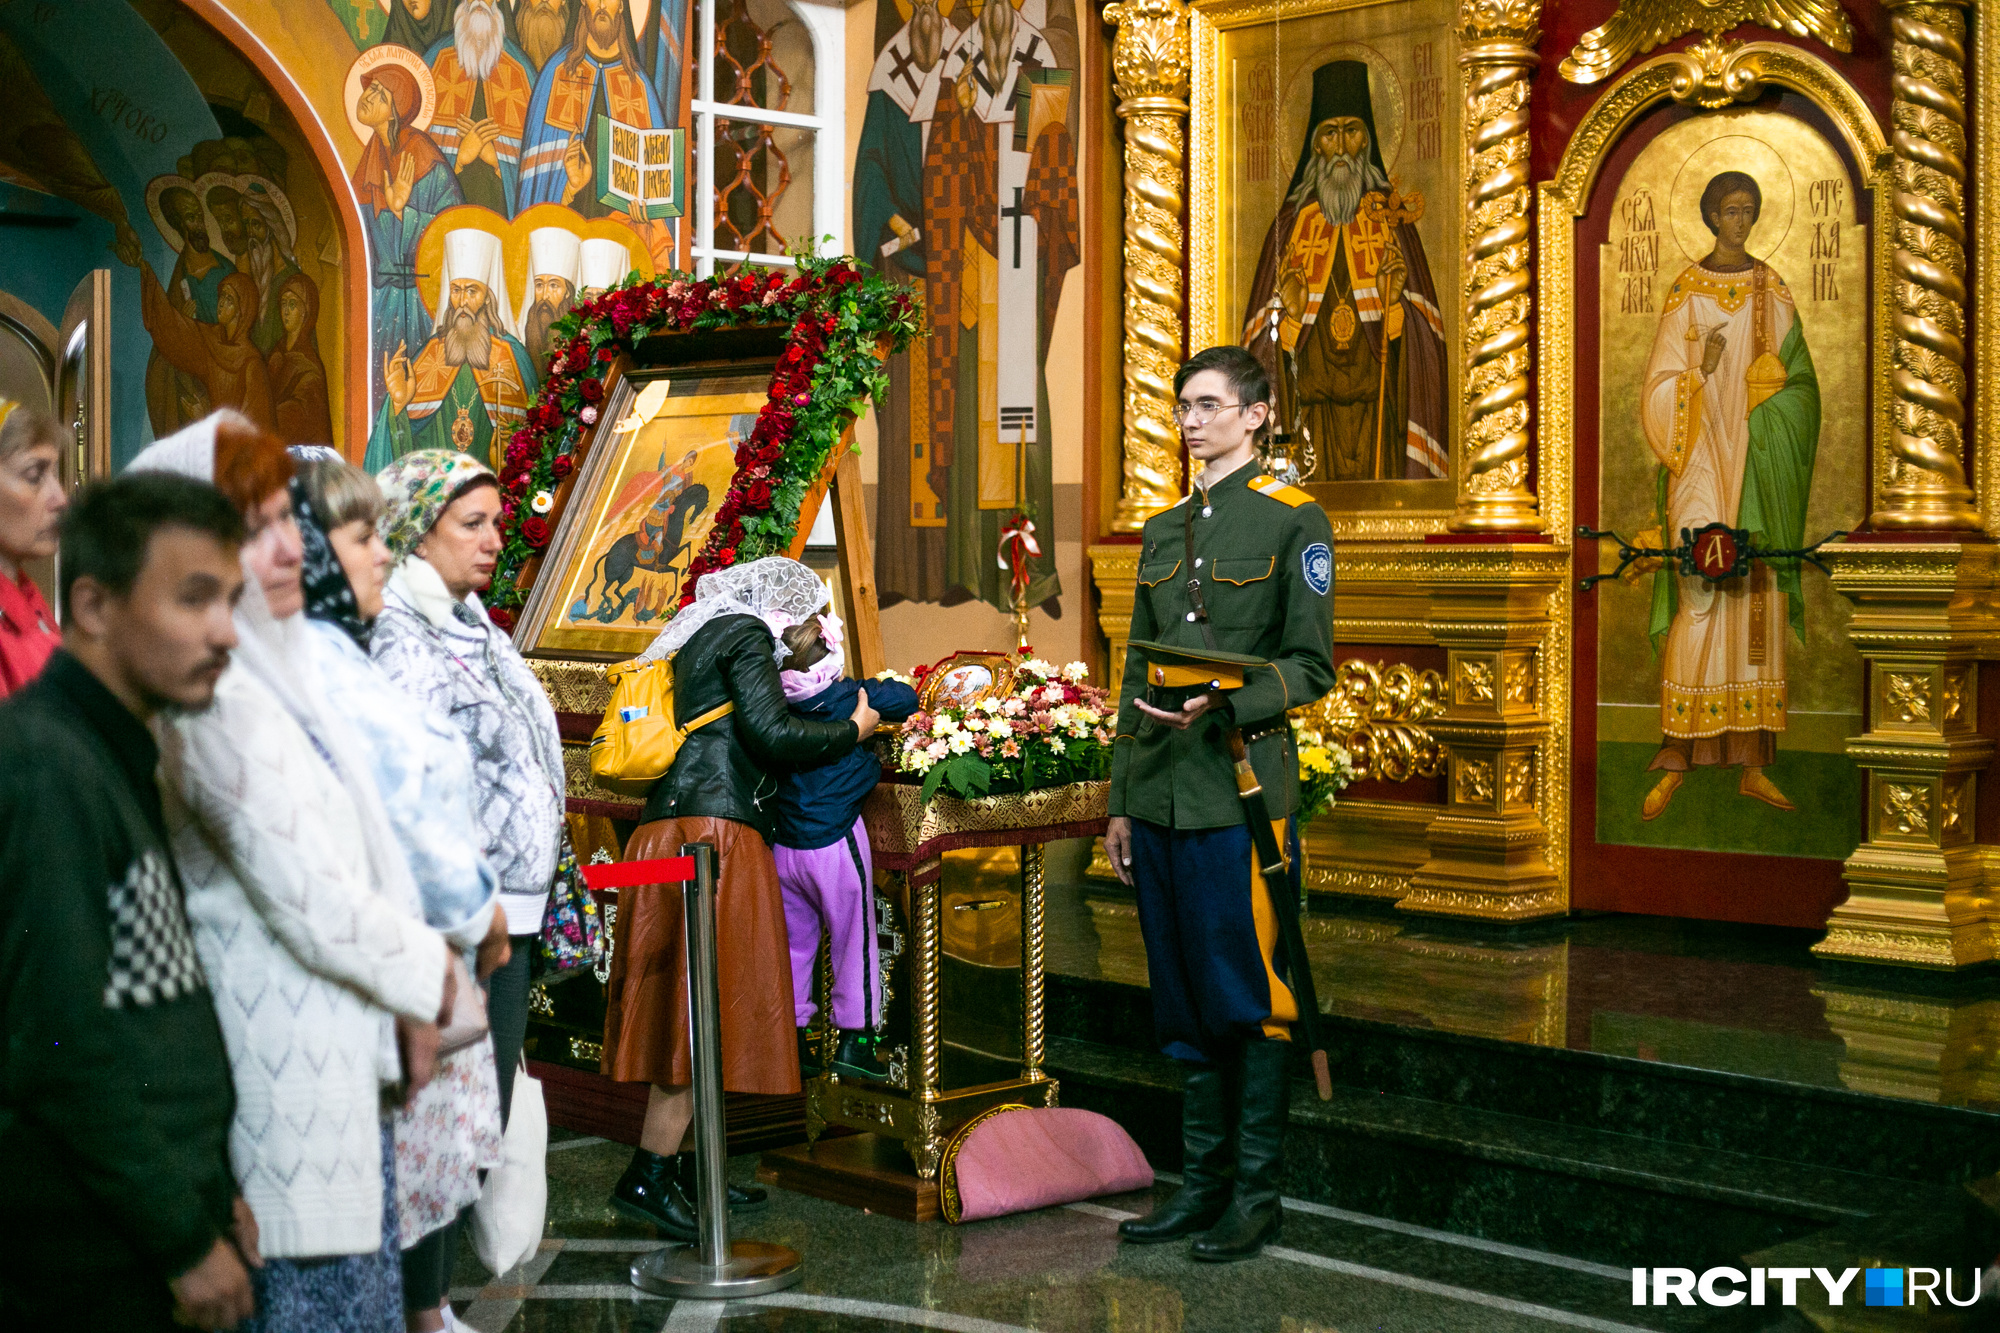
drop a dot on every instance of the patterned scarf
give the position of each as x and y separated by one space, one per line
329 596
417 487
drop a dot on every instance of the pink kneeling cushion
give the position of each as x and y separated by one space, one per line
1027 1158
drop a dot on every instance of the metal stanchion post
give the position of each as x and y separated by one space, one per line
715 1269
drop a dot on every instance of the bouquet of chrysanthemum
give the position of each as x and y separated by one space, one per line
1049 728
1325 767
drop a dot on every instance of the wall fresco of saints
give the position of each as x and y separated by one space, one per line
485 185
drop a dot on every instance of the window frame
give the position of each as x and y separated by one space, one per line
826 27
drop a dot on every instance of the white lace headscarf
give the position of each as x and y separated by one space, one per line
279 654
777 590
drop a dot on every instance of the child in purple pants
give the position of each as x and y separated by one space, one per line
824 870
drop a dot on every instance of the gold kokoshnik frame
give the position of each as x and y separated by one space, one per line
1369 283
643 499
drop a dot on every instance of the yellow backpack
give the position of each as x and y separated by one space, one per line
636 743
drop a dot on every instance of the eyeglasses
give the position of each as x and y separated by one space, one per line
1201 413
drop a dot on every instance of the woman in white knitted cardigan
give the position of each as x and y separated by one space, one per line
307 922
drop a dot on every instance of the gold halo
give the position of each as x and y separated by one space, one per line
1385 96
513 237
241 184
387 54
1733 152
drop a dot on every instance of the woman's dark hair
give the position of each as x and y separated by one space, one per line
1724 184
808 647
467 487
108 528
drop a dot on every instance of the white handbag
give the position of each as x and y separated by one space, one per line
507 1220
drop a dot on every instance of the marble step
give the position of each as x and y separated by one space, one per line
1615 1198
1584 1092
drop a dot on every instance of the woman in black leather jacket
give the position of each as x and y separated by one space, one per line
722 789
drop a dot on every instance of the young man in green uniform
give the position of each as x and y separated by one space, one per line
1243 565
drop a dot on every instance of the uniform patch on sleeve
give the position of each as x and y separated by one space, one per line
1318 562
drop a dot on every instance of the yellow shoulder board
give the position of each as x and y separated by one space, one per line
1277 490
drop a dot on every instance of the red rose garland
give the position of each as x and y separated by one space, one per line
838 313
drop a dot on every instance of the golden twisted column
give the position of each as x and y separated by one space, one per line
1150 61
1926 485
1497 53
1034 962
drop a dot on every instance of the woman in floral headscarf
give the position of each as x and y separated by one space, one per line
436 641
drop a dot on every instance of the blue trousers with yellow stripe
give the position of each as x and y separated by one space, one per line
1212 945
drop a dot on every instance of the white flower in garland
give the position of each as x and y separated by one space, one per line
542 503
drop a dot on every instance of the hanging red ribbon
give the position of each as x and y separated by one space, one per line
1017 547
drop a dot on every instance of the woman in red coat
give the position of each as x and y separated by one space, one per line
31 506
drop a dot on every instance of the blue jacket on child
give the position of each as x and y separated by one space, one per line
817 806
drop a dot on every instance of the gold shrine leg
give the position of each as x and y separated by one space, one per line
1150 60
1925 486
1919 887
1497 53
1033 960
926 1143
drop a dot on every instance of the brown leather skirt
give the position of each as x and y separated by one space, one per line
646 1016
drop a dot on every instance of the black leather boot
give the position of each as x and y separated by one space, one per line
856 1056
1254 1215
747 1196
649 1192
1206 1106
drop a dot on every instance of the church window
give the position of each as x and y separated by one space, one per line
768 129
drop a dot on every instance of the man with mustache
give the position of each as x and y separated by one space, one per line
483 86
600 75
472 381
117 1084
1343 314
270 264
965 182
554 254
174 398
541 28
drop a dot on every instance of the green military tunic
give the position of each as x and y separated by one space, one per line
1265 557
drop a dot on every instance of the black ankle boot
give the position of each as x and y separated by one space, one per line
748 1196
856 1057
1205 1159
1254 1216
648 1192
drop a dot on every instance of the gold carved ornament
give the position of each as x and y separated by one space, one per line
1497 53
1150 60
1641 25
1377 711
1926 482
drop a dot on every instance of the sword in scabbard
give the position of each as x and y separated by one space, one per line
1280 880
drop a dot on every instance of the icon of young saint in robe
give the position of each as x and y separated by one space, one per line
472 381
1731 410
1343 312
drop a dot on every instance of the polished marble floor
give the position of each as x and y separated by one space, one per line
1736 999
1061 1270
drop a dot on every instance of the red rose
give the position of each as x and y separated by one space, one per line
535 531
759 496
562 465
501 616
593 391
607 354
726 556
